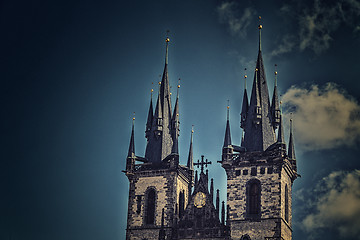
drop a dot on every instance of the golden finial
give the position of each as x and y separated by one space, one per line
192 128
260 26
256 69
245 77
133 117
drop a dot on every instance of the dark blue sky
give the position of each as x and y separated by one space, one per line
73 73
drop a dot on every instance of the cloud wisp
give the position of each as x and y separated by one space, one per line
236 22
324 117
334 204
317 23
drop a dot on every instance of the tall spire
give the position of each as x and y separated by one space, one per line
150 117
130 160
223 212
280 138
275 109
131 152
212 191
259 132
227 139
176 123
190 162
245 104
291 150
161 137
217 203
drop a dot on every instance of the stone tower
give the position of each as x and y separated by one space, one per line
158 185
260 172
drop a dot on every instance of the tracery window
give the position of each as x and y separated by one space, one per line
253 197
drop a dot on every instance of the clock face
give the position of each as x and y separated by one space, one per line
200 200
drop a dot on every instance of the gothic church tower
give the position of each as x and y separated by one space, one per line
260 172
160 184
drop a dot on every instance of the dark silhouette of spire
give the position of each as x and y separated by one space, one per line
212 191
217 203
227 139
223 212
275 107
162 133
131 152
190 162
149 118
291 150
259 132
280 138
176 124
245 104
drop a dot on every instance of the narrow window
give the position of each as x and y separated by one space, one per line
138 201
286 204
237 172
254 197
181 203
150 207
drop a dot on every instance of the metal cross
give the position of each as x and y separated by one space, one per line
202 163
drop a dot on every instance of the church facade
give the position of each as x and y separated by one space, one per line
168 200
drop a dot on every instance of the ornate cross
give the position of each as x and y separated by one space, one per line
202 163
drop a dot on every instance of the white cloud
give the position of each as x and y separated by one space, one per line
324 117
337 205
229 15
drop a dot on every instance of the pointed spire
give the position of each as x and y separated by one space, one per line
212 191
150 116
158 108
227 139
131 152
223 212
281 138
275 109
259 131
245 104
190 162
176 123
217 203
291 150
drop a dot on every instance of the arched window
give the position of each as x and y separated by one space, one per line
181 203
253 197
286 203
150 207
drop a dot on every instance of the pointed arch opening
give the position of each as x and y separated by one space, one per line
150 206
253 198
